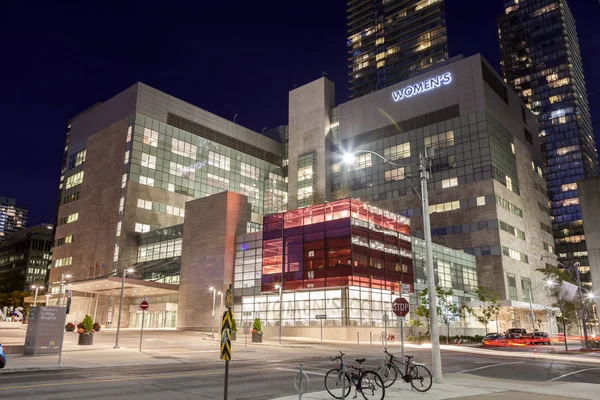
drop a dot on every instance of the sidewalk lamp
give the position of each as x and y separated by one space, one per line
125 271
221 305
280 308
63 276
48 298
212 289
425 160
36 287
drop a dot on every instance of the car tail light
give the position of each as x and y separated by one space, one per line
3 349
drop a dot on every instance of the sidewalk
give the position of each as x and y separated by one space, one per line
455 387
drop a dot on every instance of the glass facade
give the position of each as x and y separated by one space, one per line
388 40
12 217
542 62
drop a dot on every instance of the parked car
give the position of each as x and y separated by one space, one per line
492 339
518 333
541 338
2 356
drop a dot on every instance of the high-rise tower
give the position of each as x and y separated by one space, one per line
541 60
390 39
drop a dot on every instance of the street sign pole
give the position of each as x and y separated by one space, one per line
401 322
321 331
226 338
143 306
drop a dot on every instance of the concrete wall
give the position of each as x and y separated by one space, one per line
589 198
208 255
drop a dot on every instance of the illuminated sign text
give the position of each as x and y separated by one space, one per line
424 86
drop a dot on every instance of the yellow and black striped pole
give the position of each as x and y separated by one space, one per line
226 325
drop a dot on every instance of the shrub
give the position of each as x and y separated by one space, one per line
97 327
87 325
257 326
70 327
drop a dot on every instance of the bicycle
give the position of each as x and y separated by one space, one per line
389 338
339 381
416 374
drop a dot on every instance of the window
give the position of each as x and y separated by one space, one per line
305 173
145 204
526 288
512 230
398 151
515 255
548 247
150 137
121 204
68 219
305 193
116 254
447 183
394 175
77 158
360 162
171 187
443 207
70 198
218 182
569 186
512 286
64 240
480 201
62 262
118 229
250 171
74 180
129 132
335 167
183 149
249 191
509 184
182 170
512 147
144 180
126 157
148 161
142 227
558 83
441 140
218 160
565 150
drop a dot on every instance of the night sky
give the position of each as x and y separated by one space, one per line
232 57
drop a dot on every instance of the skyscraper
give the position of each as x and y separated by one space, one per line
12 217
390 39
541 60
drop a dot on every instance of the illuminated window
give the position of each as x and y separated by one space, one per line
564 150
480 201
557 98
129 131
116 254
145 180
218 160
62 262
379 41
444 207
545 9
398 151
118 229
572 239
68 219
148 161
569 202
579 254
121 204
441 140
171 187
124 181
360 162
512 147
250 171
145 204
552 77
526 92
515 255
249 191
126 157
569 186
142 227
150 137
334 125
549 248
380 56
305 193
74 180
394 175
558 83
77 158
218 182
335 167
448 183
183 148
509 183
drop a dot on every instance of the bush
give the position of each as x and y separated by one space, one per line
233 325
70 327
257 326
87 325
97 327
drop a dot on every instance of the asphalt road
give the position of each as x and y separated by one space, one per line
267 376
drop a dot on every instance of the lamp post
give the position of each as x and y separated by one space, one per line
221 305
125 271
548 283
280 308
62 283
36 287
212 289
424 165
48 298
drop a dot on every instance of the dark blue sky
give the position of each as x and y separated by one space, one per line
233 57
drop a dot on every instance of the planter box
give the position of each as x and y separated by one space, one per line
256 338
85 340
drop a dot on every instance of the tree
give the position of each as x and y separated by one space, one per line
567 310
446 309
342 193
490 307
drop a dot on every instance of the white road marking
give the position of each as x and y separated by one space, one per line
490 366
298 370
572 373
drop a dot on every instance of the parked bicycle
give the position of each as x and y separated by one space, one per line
416 374
340 380
389 338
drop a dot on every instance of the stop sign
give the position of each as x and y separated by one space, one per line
400 307
144 305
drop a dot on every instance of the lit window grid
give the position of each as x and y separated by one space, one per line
160 176
159 250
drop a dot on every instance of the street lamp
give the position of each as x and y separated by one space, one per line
221 305
125 271
36 287
424 165
547 283
212 289
63 276
280 308
48 298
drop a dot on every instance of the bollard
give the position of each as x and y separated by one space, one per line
299 380
300 384
358 338
371 338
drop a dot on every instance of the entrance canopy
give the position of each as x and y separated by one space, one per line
111 286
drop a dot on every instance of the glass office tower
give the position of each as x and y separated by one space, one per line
12 217
541 60
390 39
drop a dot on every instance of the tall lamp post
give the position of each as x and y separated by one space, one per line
48 298
280 308
548 283
424 164
221 305
125 271
212 328
36 287
63 276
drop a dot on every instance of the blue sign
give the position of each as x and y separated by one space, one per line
424 86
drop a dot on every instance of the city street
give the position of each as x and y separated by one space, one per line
176 365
